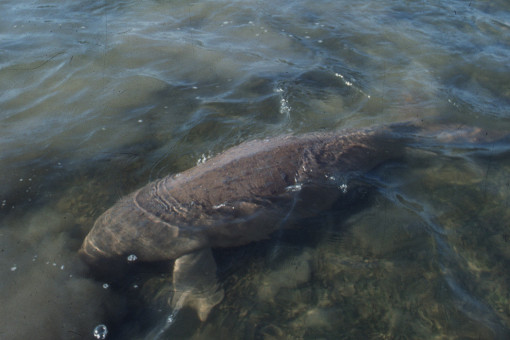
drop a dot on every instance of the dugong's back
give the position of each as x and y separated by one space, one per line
231 199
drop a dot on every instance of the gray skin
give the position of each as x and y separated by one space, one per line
237 197
244 195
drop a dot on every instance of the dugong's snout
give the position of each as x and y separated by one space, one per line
98 247
114 236
128 232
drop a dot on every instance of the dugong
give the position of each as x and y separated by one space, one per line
239 196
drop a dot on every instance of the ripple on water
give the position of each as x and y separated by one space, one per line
99 97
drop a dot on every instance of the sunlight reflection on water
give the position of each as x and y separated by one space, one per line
98 98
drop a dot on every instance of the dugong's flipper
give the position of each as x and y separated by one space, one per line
195 283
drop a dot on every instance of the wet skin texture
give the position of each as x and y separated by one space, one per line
245 194
239 196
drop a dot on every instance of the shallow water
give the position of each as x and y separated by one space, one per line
98 98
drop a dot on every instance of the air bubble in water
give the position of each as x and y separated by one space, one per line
294 188
330 178
100 332
343 187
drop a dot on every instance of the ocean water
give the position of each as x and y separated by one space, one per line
97 98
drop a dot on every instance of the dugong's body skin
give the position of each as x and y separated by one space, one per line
243 195
234 198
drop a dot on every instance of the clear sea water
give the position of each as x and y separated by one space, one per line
97 98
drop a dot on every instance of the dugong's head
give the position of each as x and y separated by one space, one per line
126 232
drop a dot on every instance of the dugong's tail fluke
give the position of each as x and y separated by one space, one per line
243 195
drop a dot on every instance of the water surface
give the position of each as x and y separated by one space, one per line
98 98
